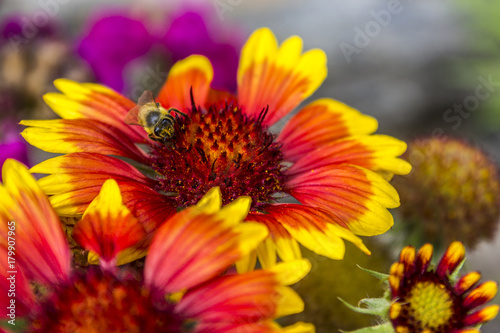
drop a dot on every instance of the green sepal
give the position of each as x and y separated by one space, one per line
384 328
378 275
455 275
374 306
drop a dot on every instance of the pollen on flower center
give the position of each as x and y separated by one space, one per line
430 304
99 302
219 147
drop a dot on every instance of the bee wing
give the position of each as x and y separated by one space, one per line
132 116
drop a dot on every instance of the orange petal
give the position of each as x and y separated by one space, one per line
424 257
280 78
252 297
486 314
196 73
40 244
321 123
11 272
374 152
76 179
80 135
467 281
481 294
451 259
93 101
315 229
357 196
108 227
194 246
285 245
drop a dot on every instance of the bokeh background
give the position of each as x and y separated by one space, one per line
410 64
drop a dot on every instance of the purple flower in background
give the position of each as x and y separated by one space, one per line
188 34
115 40
111 43
12 145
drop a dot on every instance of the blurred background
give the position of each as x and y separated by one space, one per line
422 68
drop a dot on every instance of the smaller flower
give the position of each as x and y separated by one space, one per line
185 285
452 193
424 299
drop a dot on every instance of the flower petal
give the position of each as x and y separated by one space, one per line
76 179
279 241
315 229
486 314
41 246
357 196
320 123
467 281
373 152
194 72
451 259
10 272
251 297
93 101
80 135
194 246
278 78
108 227
482 294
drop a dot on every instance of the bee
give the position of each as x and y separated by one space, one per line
157 121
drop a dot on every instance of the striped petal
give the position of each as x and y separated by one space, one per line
373 152
320 123
252 297
93 101
80 135
279 242
108 227
75 180
484 293
278 78
193 73
40 244
486 314
194 246
316 229
451 259
357 196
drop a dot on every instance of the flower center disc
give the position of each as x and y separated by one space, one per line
431 304
219 147
98 302
428 306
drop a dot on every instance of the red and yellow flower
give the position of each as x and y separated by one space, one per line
185 286
425 299
325 157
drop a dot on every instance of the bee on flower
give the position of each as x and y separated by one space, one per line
326 156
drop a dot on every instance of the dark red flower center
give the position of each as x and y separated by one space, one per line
99 302
219 147
427 303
